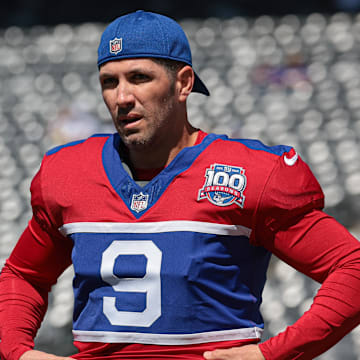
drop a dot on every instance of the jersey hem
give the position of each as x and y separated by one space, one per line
167 339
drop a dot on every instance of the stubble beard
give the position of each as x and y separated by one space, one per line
149 138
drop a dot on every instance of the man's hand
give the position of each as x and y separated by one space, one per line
40 355
247 352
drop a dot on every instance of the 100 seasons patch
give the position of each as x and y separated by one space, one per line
224 185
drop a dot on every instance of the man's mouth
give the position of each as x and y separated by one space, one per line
129 119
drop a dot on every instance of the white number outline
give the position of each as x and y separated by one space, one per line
150 283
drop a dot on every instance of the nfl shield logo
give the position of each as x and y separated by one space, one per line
139 202
115 45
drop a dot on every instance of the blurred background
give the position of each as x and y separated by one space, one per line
283 72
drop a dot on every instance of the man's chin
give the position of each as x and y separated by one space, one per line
134 142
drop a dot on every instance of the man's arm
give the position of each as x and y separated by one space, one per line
19 299
22 308
33 267
247 352
324 250
40 355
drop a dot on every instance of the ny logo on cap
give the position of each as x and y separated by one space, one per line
115 45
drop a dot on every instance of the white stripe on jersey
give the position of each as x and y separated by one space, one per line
167 339
155 227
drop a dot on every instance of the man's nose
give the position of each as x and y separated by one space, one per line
125 96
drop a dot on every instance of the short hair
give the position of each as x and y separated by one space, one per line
171 66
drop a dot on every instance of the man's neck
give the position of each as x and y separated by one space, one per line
160 156
143 175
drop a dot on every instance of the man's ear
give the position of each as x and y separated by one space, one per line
184 82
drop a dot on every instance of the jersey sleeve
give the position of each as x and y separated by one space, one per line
289 223
43 255
320 247
39 257
290 192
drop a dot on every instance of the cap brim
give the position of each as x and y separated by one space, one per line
199 86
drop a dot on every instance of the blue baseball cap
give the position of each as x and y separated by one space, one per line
144 34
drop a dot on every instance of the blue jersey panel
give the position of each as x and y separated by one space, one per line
168 283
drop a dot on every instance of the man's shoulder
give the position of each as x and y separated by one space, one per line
75 158
68 169
79 145
256 145
251 149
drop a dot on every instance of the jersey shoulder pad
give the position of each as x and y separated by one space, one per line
254 144
58 148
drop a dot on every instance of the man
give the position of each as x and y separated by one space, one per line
170 229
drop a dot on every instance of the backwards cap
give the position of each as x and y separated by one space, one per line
144 34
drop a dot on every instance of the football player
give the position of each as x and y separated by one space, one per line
170 229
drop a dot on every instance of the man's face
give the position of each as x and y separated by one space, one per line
139 94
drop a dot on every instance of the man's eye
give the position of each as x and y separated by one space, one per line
109 82
140 77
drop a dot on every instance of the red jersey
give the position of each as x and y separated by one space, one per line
223 204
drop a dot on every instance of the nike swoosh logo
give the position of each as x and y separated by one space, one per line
291 161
